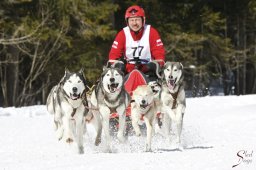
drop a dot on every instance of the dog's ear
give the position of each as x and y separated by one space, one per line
63 78
108 65
166 64
120 71
66 71
160 81
181 65
81 71
65 75
120 66
104 68
161 73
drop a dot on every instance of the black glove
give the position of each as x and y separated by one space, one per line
121 66
151 67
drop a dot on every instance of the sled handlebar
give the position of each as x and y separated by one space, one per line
137 60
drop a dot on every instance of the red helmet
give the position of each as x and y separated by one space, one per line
134 11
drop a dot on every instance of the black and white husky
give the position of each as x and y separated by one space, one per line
110 96
68 103
173 99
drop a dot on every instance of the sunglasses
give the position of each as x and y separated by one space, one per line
133 11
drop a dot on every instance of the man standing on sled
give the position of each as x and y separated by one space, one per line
138 42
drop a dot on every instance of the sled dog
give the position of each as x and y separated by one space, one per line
68 104
156 88
173 99
110 96
144 106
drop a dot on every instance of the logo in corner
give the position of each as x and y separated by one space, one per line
244 157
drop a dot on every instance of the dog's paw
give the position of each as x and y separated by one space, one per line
176 144
59 133
80 149
55 126
121 137
69 140
148 148
59 138
176 140
138 134
180 147
97 141
107 150
140 122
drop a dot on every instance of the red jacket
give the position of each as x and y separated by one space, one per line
156 47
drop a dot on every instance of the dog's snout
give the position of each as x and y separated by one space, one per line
112 79
171 77
74 89
143 101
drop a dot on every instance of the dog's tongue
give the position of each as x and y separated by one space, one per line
74 96
171 84
143 106
113 87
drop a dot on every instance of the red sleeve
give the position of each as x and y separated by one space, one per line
156 46
118 46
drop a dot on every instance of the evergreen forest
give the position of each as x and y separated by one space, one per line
215 40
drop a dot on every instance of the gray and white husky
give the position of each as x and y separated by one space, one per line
68 103
173 99
110 96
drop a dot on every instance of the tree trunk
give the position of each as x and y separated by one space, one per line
12 75
244 54
237 86
3 84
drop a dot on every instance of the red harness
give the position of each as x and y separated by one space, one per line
143 114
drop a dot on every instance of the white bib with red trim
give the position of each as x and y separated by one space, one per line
140 48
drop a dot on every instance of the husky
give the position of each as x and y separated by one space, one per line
156 88
110 96
68 103
144 106
173 99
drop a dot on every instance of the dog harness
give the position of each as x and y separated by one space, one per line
175 96
84 102
143 114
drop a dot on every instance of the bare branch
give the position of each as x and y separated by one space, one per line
23 39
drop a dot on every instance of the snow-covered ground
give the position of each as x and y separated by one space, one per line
218 132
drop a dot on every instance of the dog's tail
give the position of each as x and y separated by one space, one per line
157 69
